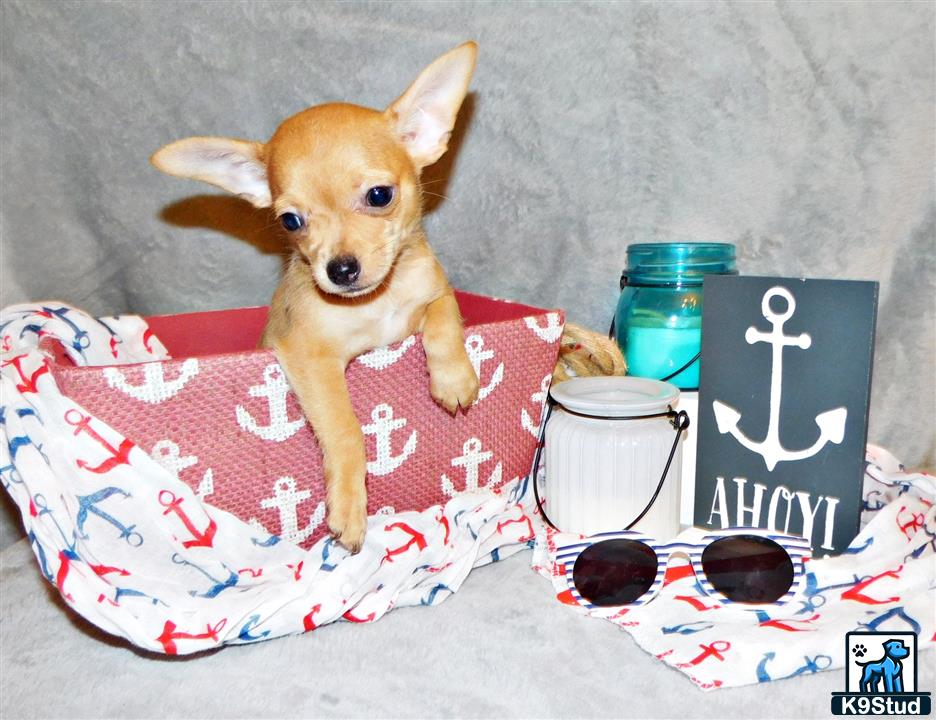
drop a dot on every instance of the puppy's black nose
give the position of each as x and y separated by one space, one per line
343 270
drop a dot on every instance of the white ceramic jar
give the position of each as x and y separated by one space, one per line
607 443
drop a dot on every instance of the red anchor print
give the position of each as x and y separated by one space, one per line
297 570
7 343
308 624
102 597
714 650
118 456
706 685
253 573
416 538
169 635
62 574
521 519
101 570
855 593
147 336
697 604
444 522
173 504
113 347
28 384
917 521
352 618
785 624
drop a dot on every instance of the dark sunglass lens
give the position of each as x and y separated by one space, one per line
614 572
748 568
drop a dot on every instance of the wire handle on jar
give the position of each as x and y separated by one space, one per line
679 420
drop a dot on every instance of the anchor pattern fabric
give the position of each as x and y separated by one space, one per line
884 581
131 547
232 415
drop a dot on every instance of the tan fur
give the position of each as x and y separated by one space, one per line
319 164
585 353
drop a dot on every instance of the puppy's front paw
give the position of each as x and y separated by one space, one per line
347 519
453 385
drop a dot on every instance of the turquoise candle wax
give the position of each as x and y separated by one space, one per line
658 323
656 352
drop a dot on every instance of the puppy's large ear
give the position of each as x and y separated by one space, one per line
235 165
424 115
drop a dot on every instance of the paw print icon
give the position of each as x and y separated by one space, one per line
859 650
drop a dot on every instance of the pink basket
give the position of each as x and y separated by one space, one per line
221 414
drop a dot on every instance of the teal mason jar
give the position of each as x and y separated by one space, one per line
658 322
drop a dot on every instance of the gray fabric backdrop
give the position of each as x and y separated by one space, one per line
804 133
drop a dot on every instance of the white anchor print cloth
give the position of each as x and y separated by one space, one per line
883 582
133 549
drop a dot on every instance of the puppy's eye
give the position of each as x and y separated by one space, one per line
291 221
379 196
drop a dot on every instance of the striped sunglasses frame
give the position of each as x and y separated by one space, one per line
798 549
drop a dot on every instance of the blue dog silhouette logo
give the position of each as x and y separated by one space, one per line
884 675
881 675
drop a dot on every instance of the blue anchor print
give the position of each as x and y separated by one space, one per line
219 585
81 341
42 508
495 555
252 622
130 592
859 548
110 330
269 542
518 490
9 475
811 604
89 504
814 597
762 674
32 328
40 552
871 503
897 612
688 628
22 412
457 518
14 445
327 547
813 665
430 598
910 556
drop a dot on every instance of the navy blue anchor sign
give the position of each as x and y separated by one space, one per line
831 423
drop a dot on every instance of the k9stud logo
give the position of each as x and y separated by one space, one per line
881 676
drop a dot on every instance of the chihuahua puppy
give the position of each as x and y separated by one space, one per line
344 182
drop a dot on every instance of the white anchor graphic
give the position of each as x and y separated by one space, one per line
285 499
274 389
383 357
537 397
383 427
155 389
169 455
474 345
550 333
831 423
471 459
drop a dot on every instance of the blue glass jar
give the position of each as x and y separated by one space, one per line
658 322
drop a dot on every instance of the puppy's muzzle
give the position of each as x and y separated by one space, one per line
343 270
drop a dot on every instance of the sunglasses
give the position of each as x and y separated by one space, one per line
736 565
